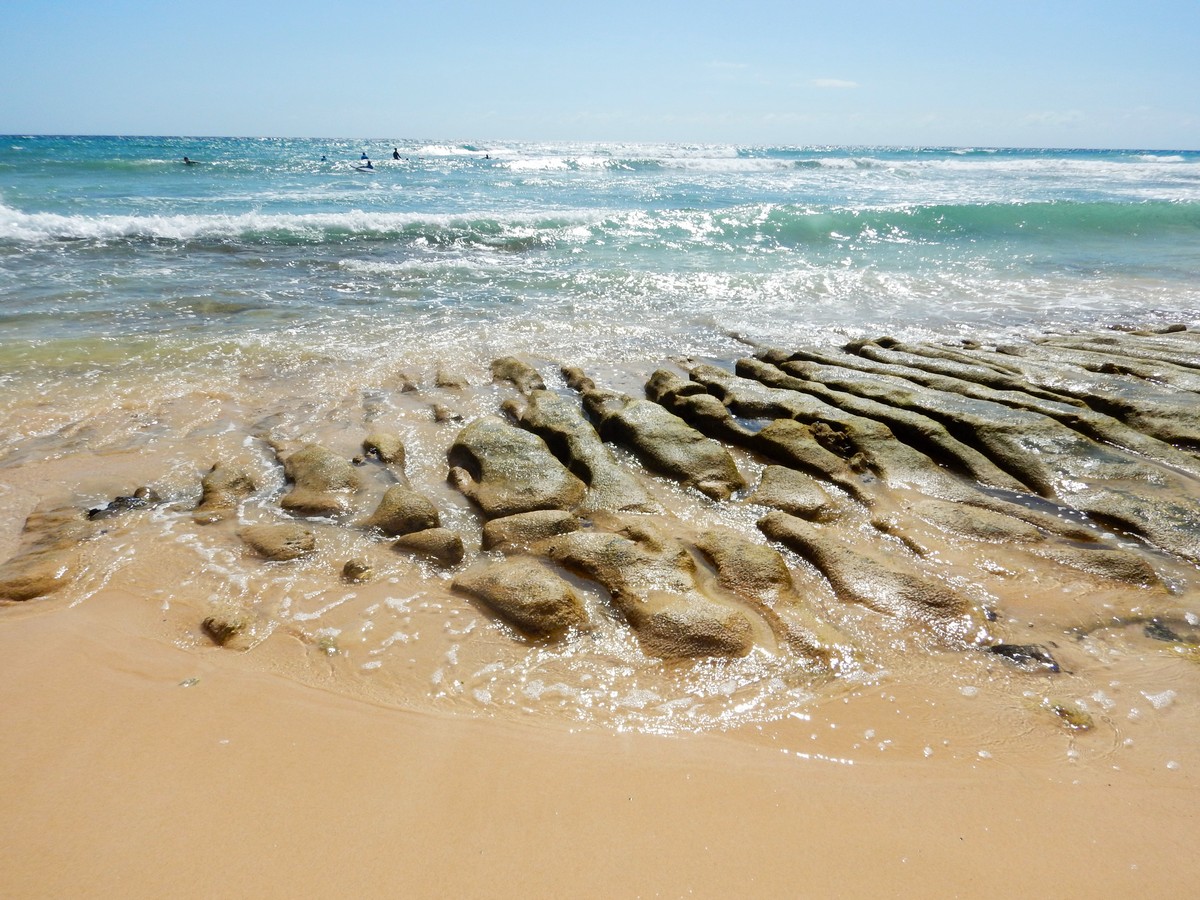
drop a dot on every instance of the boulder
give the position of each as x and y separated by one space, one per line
323 482
403 511
357 570
521 374
438 545
506 470
385 447
527 595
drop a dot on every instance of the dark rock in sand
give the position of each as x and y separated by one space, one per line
527 595
1033 657
403 511
142 498
323 482
517 532
443 413
228 627
279 543
521 374
221 490
357 570
438 545
506 470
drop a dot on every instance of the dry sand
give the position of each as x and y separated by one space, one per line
123 778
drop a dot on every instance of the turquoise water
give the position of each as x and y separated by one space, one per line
111 245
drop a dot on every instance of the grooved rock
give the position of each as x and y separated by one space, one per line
664 442
653 583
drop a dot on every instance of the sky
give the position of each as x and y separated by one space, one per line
1013 73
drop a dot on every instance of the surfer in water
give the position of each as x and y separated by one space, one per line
395 153
188 162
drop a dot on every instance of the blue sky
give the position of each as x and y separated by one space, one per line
1015 73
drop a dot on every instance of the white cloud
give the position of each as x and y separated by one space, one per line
835 83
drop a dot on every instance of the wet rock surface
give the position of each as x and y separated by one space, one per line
653 581
527 595
279 543
802 511
507 470
520 530
221 490
403 511
438 545
322 482
663 441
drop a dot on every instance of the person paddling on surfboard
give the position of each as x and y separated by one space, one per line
188 162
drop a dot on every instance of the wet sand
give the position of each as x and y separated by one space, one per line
119 781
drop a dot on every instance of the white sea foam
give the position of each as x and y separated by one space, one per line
21 227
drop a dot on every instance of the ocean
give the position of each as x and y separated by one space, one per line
112 249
